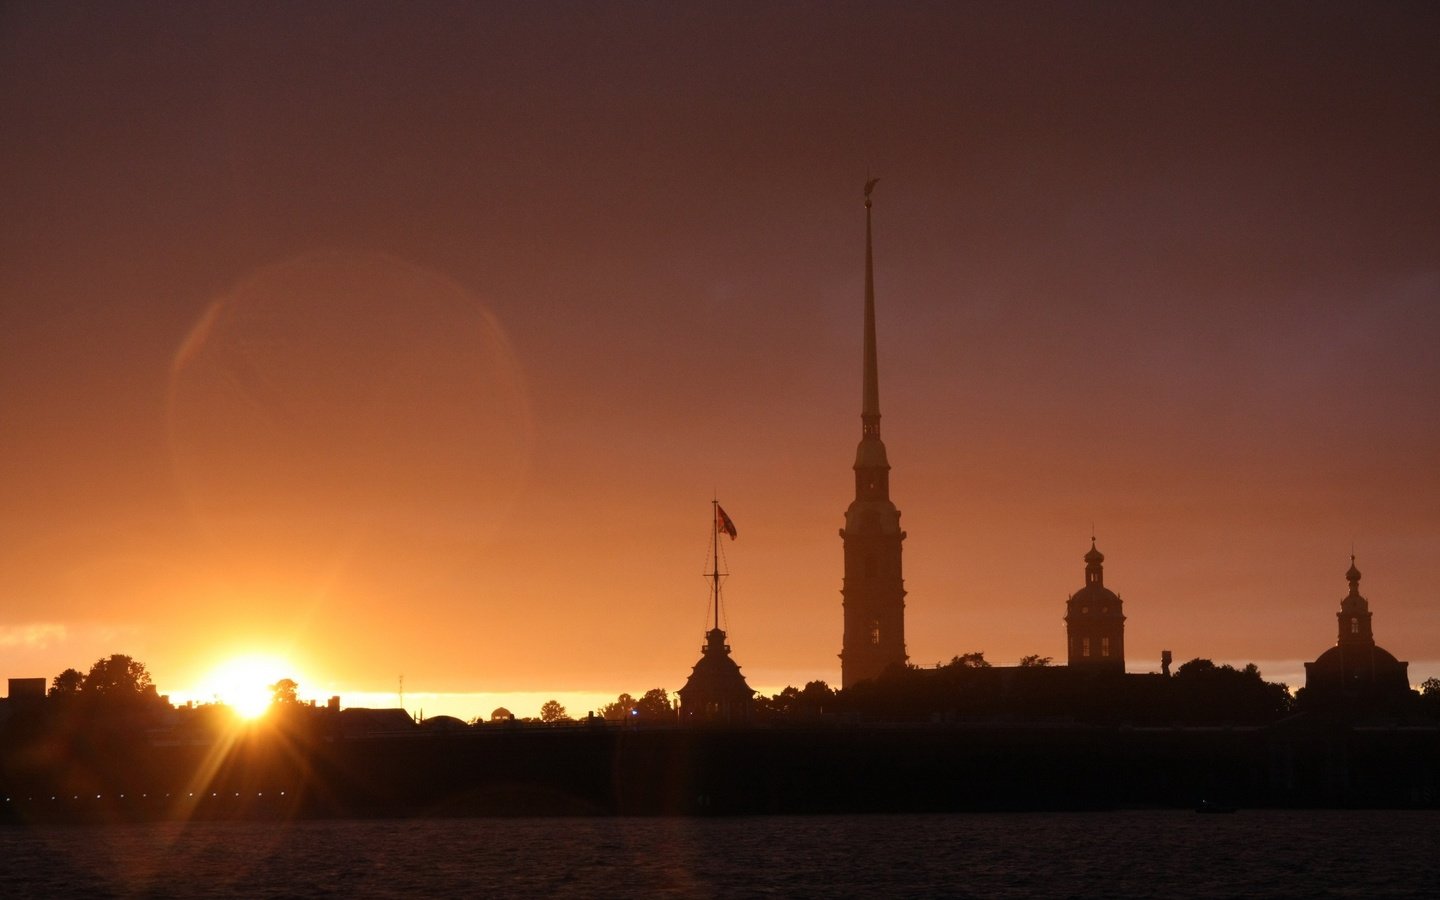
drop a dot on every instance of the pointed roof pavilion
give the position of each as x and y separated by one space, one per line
716 692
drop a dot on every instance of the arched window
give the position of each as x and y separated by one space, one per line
1354 626
1085 646
1104 646
875 631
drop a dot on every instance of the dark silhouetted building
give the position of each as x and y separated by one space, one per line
874 590
24 693
359 721
1355 669
27 690
716 691
1094 623
443 724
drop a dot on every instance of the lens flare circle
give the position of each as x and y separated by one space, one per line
340 410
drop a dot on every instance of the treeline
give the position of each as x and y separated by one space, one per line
969 688
113 680
653 706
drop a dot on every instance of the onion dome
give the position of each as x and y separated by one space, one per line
1094 557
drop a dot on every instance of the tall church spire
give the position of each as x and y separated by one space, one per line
870 401
872 469
874 590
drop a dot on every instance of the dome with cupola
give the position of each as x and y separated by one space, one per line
1356 668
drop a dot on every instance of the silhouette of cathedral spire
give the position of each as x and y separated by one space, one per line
870 399
874 589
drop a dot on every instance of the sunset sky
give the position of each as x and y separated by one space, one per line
416 338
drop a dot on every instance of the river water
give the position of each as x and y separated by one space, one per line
1128 854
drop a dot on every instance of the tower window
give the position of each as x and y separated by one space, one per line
1084 646
1104 646
1354 626
870 567
875 632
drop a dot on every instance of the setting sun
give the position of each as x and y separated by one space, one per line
243 683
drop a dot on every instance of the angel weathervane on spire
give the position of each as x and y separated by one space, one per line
870 186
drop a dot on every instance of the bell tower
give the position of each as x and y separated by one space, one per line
1354 614
1094 622
874 590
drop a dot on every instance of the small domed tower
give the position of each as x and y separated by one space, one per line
1094 623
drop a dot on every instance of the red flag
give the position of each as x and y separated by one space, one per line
722 522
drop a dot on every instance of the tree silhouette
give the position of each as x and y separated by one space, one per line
795 703
284 691
619 709
1196 667
67 684
974 660
1035 660
551 711
813 699
1429 702
655 706
1201 691
118 677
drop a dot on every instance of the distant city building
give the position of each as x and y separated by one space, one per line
874 589
1355 668
1094 623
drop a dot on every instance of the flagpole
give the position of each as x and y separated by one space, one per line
715 555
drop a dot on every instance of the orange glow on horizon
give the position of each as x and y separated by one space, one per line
419 350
